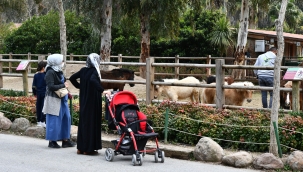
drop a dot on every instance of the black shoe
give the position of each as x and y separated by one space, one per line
68 143
53 144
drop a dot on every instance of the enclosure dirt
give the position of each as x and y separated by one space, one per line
139 90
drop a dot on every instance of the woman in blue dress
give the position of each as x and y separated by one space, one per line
58 119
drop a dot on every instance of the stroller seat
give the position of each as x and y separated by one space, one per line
133 127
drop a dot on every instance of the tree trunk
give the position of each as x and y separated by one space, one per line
242 39
106 26
145 43
62 32
276 90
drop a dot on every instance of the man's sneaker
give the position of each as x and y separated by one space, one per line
39 124
53 144
68 143
43 124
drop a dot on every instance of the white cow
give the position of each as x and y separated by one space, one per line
175 93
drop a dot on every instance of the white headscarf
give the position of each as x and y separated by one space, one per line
93 60
55 61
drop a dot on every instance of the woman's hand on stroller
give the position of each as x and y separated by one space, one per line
107 94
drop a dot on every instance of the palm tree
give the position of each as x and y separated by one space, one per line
221 37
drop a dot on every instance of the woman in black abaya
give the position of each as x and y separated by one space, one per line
89 129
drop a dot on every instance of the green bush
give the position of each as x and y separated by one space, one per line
187 123
41 35
11 93
16 107
224 126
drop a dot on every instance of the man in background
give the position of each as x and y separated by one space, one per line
266 77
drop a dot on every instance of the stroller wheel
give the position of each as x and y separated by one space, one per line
162 156
138 161
156 156
134 159
109 154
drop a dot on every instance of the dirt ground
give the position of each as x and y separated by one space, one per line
16 83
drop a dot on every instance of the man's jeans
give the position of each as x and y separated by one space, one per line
265 81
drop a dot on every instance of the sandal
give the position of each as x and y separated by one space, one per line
79 152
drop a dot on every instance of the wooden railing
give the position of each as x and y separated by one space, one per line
74 59
150 67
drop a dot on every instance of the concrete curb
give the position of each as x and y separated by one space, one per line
172 151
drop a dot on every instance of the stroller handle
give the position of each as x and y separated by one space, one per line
132 123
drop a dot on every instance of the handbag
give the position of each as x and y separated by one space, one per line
62 92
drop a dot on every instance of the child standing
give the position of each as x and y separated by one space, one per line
39 89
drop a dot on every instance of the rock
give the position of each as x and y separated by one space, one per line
35 132
208 150
268 161
5 123
74 133
295 160
73 130
239 159
20 124
73 137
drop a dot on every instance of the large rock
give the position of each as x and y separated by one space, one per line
5 123
73 130
74 133
239 159
295 160
35 132
20 124
268 161
208 150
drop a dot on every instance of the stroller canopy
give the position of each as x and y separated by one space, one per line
123 97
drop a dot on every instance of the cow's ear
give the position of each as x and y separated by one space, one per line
157 87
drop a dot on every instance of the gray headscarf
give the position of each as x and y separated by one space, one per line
93 60
55 61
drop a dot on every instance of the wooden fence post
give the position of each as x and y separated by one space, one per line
208 61
295 96
41 58
29 69
177 68
10 63
71 58
150 73
220 98
25 81
120 60
1 70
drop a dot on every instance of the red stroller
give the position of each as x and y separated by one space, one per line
133 128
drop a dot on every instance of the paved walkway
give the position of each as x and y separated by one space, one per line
21 153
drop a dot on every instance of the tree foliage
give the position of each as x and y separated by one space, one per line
5 31
194 39
42 35
293 16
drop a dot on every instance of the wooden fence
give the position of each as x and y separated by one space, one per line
150 67
74 59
